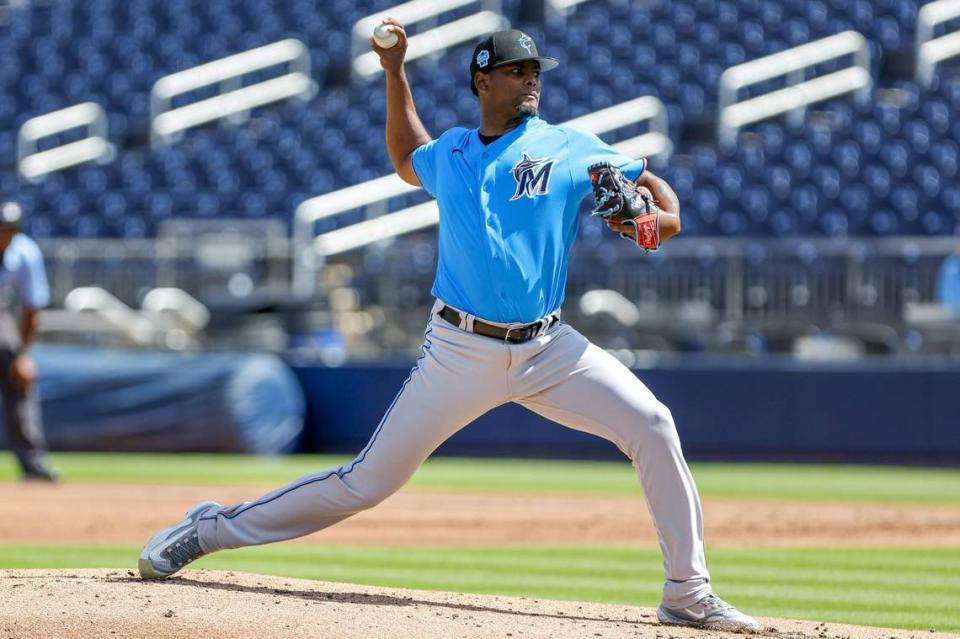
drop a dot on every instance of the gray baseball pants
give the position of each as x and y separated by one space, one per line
21 417
459 377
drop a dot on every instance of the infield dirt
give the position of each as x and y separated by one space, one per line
93 604
96 604
118 514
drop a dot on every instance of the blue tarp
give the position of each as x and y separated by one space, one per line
133 400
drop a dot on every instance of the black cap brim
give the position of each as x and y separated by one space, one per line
546 63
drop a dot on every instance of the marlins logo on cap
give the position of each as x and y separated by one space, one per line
526 42
506 47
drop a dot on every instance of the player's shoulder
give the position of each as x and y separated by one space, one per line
540 129
577 135
454 136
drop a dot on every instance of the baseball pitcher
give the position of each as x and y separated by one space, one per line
509 194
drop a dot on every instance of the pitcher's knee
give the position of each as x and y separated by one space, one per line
368 497
663 420
366 492
655 428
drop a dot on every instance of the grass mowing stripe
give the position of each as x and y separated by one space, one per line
863 599
775 582
942 562
868 581
610 478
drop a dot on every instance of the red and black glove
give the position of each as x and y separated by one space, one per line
618 200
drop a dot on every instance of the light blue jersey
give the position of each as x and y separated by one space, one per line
22 274
509 214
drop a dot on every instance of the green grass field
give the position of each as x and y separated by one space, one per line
741 481
912 588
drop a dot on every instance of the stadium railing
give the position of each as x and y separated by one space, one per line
712 294
34 165
932 51
223 263
233 99
792 65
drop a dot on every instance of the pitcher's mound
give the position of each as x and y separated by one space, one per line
88 604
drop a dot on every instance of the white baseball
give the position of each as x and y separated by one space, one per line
384 36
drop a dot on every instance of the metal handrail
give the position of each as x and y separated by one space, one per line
135 328
732 113
34 165
233 100
932 51
556 11
655 143
384 227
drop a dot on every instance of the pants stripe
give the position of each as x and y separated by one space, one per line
342 471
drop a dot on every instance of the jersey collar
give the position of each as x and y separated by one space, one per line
503 140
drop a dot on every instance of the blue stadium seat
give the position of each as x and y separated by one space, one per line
878 180
778 180
834 223
756 202
927 179
884 222
895 155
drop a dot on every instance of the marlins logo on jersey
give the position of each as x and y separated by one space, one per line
532 176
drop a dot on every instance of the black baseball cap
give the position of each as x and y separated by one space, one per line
11 215
506 47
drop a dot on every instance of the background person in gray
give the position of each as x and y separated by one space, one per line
23 292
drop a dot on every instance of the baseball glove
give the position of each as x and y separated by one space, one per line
617 199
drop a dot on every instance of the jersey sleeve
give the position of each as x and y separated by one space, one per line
425 165
32 276
586 149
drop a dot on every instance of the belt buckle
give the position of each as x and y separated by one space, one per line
506 336
525 333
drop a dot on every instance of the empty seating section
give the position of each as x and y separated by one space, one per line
885 167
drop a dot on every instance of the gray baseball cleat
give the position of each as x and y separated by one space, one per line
173 548
710 613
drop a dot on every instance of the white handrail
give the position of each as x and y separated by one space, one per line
186 310
655 143
166 123
932 51
34 165
172 122
556 11
732 114
794 97
370 231
410 14
472 27
136 328
308 250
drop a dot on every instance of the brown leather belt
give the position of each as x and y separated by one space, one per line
515 335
